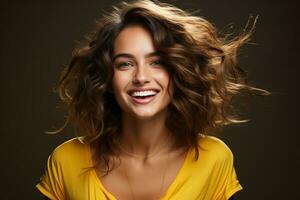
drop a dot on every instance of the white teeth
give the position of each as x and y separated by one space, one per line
143 93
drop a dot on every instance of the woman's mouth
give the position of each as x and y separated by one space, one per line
143 96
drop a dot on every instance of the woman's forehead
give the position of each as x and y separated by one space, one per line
134 40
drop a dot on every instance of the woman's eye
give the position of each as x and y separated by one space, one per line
157 63
124 64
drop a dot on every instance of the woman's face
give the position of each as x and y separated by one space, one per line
140 81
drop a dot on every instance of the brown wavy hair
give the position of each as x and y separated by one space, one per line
202 65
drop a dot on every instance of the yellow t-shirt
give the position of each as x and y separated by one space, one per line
212 177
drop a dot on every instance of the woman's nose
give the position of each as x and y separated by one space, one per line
141 75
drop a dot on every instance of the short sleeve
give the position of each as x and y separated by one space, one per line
226 181
51 183
231 182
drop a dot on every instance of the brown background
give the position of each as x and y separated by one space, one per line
37 38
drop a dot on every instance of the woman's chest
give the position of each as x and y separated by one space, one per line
147 182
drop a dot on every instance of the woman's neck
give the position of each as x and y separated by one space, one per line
144 137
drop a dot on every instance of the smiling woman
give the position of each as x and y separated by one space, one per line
145 93
140 82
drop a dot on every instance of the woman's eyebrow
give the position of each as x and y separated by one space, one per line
127 55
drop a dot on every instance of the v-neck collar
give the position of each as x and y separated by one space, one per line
178 176
166 194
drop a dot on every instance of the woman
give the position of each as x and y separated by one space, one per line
145 92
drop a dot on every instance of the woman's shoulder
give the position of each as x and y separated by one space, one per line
74 148
214 146
72 144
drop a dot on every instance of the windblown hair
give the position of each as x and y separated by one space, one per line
202 65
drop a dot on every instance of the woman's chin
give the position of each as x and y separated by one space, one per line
146 114
143 116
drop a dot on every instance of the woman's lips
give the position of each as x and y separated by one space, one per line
143 100
131 92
